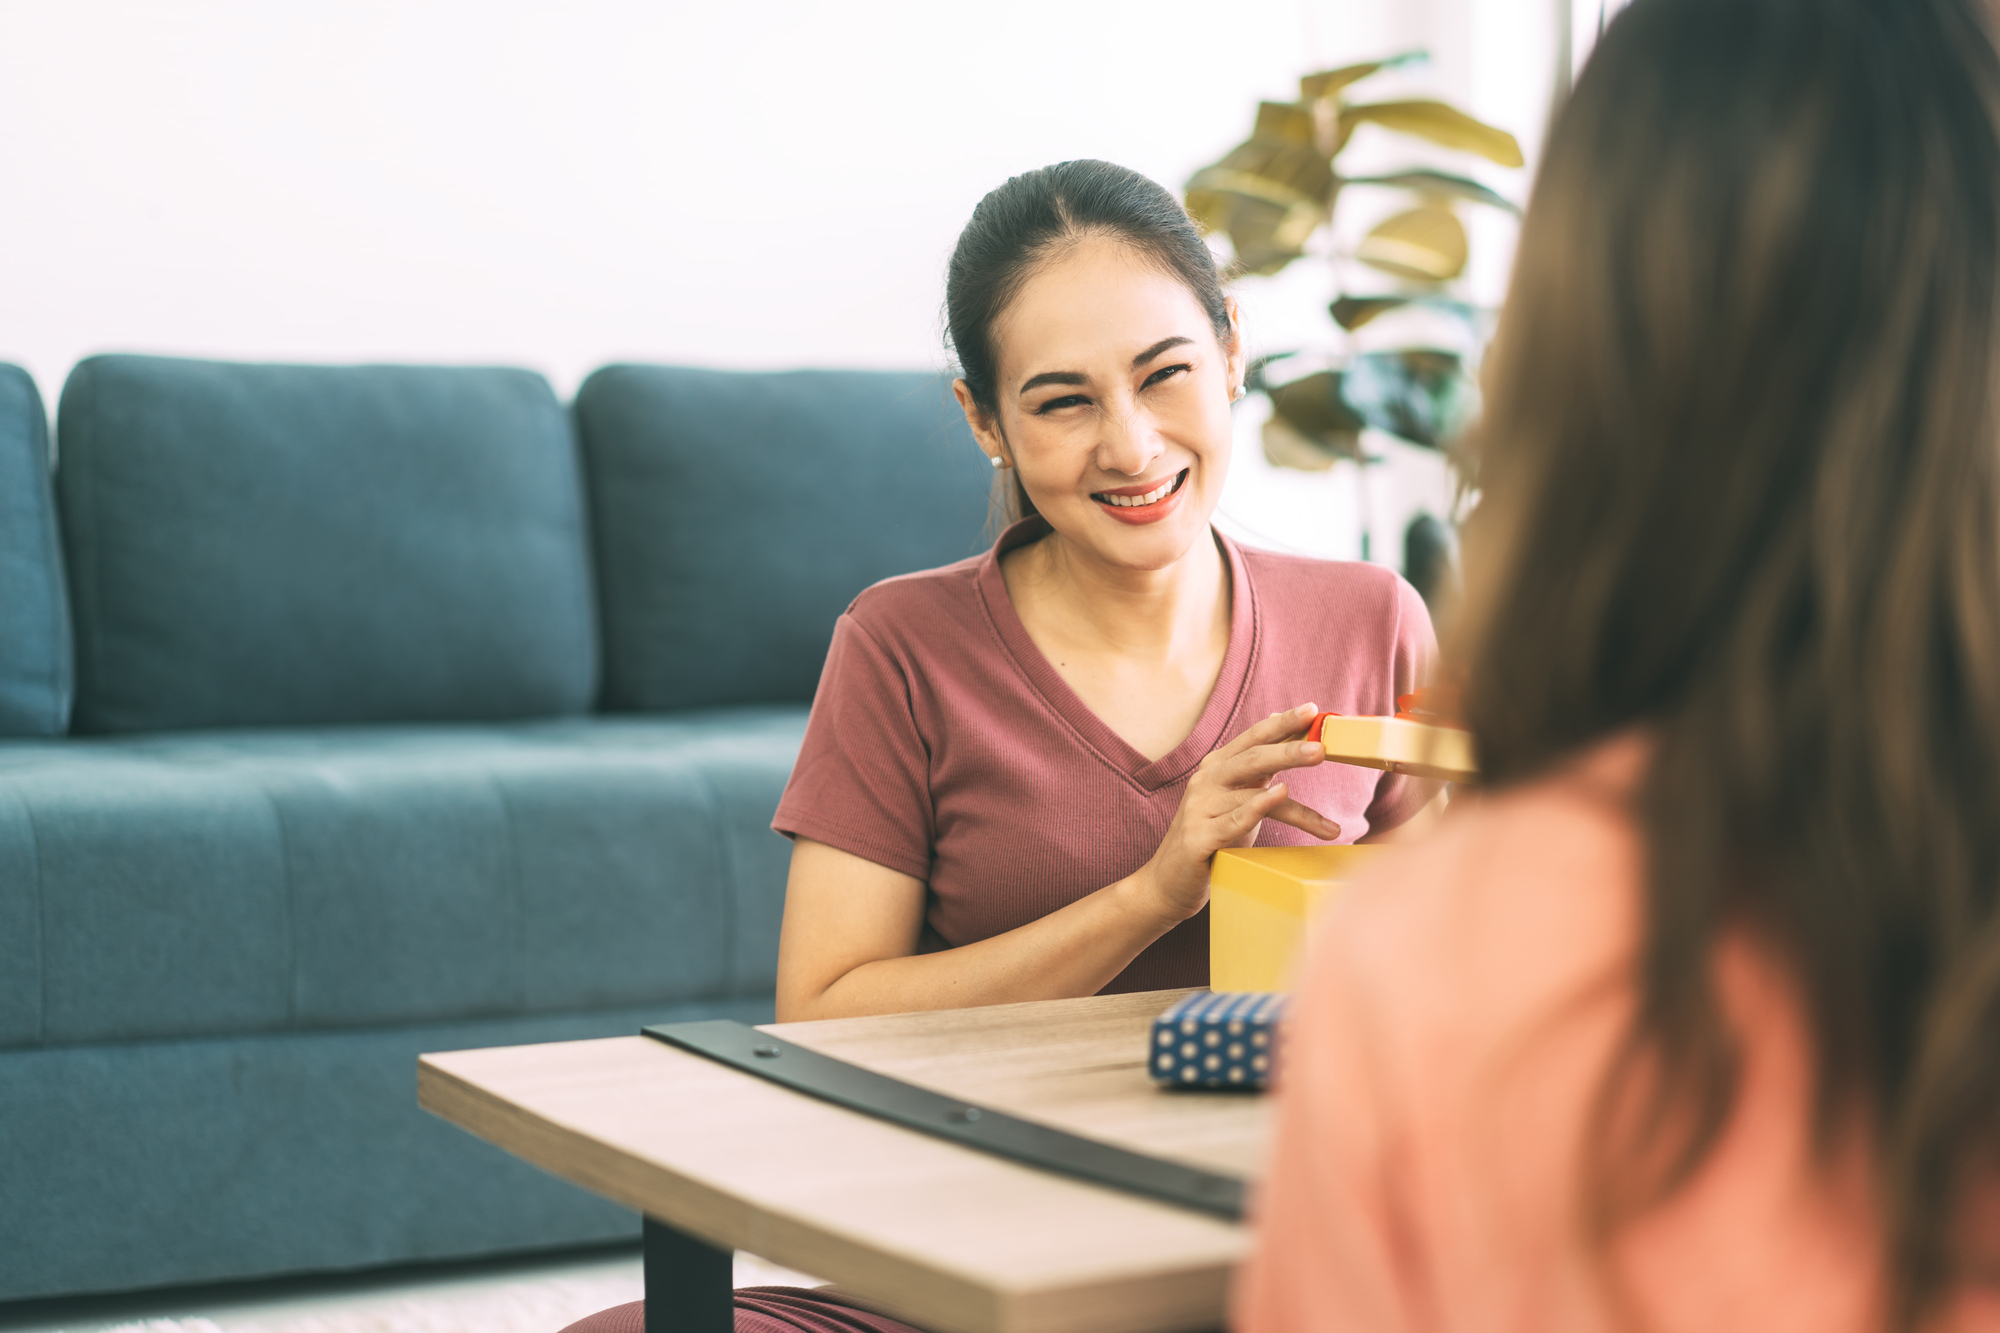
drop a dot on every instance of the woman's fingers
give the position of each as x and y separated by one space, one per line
1235 790
1273 728
1258 765
1305 819
1248 814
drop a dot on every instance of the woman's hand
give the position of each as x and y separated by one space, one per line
1231 793
852 928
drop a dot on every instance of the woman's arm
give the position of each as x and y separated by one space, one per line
1414 827
850 944
851 927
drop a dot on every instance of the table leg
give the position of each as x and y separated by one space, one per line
688 1287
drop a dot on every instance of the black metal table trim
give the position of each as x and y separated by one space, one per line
743 1047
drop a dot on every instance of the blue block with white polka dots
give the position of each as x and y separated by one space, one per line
1210 1040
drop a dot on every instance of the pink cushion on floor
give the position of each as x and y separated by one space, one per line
762 1310
629 1318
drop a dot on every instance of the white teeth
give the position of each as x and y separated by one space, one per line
1153 496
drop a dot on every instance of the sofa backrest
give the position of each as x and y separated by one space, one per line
35 666
736 515
261 544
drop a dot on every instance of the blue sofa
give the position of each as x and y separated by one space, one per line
353 712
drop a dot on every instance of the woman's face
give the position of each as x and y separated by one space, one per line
1113 403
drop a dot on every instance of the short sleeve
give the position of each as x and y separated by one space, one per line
861 782
1415 652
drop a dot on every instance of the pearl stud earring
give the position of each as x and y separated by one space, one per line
997 461
1236 394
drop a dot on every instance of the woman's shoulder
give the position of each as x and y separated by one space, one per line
920 602
1278 569
1310 585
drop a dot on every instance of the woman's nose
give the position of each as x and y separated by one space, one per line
1128 442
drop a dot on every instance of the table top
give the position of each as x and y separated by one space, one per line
944 1236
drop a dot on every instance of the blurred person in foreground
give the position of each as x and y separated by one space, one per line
1693 1021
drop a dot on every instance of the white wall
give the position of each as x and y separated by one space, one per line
1587 20
558 186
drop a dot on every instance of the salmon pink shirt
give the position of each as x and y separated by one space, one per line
1459 1010
943 745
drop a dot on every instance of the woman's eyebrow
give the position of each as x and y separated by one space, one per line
1157 348
1053 377
1072 377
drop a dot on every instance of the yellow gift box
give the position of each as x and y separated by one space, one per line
1259 902
1397 744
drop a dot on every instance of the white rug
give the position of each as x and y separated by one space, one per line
536 1305
528 1307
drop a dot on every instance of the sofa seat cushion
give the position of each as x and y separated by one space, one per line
260 545
736 515
35 673
216 884
175 1162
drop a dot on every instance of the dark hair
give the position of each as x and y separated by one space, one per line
1032 219
1741 488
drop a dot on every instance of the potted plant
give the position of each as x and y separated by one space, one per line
1274 197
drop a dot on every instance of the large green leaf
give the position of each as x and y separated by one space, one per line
1351 312
1255 376
1440 185
1284 122
1425 244
1313 409
1328 83
1270 193
1279 162
1266 236
1422 395
1286 447
1436 121
1279 173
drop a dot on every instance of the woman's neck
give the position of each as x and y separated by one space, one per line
1065 594
1141 648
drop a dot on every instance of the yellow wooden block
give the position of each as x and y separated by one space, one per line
1398 745
1259 901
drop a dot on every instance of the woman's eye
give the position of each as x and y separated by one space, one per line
1067 400
1164 373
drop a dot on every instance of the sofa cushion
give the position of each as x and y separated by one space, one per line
168 1163
736 515
35 677
290 545
221 883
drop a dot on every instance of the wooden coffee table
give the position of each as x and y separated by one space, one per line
944 1236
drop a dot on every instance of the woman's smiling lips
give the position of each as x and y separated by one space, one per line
1145 503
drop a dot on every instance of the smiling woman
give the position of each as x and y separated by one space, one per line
1018 766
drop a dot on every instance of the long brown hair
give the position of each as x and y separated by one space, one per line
1740 486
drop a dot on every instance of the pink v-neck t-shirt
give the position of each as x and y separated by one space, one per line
942 744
